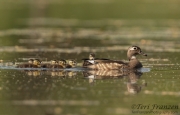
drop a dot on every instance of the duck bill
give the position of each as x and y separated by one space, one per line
142 53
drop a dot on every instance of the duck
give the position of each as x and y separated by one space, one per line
32 63
71 63
107 64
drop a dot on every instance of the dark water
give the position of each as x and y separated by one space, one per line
71 30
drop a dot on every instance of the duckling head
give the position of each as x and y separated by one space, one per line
30 61
91 56
62 63
53 62
37 62
72 63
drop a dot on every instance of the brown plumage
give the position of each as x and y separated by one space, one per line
105 64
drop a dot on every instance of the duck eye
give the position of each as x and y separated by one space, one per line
135 48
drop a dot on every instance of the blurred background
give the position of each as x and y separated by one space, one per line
42 25
63 13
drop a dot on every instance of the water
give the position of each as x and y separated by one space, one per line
72 92
74 30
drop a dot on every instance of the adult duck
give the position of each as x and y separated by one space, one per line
105 64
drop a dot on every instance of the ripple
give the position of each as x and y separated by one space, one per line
57 102
162 93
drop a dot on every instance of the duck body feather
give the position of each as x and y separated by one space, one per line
107 65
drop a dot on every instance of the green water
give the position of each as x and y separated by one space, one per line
71 30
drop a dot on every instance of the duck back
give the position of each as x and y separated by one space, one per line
107 65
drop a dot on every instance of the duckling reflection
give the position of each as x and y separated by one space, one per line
55 73
62 73
33 73
59 73
71 74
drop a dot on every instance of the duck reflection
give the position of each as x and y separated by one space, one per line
133 85
133 82
104 74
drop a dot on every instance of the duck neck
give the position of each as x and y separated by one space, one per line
134 63
132 58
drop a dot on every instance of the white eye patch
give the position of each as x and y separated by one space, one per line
133 48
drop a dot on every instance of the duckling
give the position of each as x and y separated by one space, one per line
61 64
71 63
25 65
52 64
36 63
32 63
89 61
55 64
134 63
92 60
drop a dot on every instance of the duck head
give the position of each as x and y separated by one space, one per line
133 51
